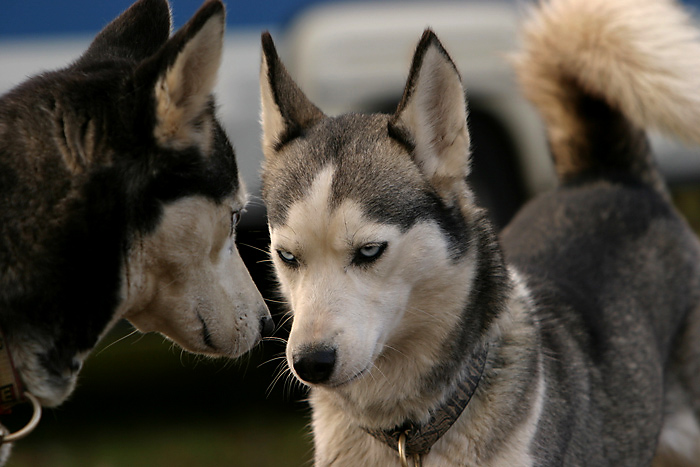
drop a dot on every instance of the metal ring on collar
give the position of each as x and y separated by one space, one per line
402 450
29 427
402 453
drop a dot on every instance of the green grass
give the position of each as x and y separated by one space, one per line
250 442
143 402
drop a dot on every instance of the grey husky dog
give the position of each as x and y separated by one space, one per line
119 197
426 340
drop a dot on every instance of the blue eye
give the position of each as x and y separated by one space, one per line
369 252
287 257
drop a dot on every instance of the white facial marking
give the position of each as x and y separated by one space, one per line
354 308
189 282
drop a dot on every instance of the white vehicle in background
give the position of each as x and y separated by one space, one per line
353 56
348 56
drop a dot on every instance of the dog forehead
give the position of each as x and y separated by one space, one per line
314 226
368 167
312 219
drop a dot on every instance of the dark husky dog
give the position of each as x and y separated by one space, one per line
574 341
119 196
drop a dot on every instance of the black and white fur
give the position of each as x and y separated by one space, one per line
119 195
590 302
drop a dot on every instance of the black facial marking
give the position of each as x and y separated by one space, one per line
371 168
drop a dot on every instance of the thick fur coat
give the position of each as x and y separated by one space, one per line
119 195
589 304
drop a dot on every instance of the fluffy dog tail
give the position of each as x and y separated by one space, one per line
602 71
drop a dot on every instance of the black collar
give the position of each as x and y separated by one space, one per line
420 438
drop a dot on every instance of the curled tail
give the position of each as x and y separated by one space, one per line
602 71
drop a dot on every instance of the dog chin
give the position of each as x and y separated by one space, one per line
237 349
50 386
231 343
50 390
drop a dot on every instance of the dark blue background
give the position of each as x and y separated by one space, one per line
50 17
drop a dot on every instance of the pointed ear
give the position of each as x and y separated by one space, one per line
185 70
135 34
432 116
285 110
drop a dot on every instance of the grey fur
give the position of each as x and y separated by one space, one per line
590 302
390 188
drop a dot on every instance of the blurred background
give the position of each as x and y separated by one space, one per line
141 401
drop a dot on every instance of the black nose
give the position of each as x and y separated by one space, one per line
267 326
315 364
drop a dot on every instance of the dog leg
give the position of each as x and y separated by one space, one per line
687 359
679 441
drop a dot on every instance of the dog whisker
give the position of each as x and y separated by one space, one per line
418 310
284 322
293 382
276 358
282 370
255 202
275 339
375 367
281 302
134 332
395 350
253 247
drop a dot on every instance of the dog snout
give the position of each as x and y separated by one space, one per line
75 365
267 326
315 364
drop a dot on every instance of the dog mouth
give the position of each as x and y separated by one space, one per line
206 334
354 377
359 374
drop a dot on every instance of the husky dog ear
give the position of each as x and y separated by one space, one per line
185 70
135 35
432 117
285 110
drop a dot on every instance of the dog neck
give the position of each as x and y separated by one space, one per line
418 438
411 380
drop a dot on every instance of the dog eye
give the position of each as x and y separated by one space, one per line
369 252
287 257
235 219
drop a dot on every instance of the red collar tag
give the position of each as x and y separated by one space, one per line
11 390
